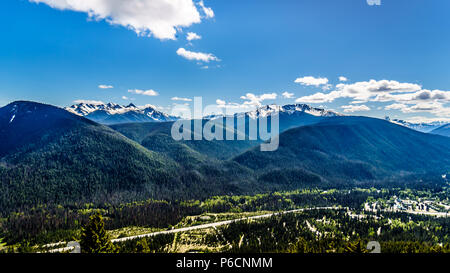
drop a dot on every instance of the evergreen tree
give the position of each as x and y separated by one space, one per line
94 238
142 246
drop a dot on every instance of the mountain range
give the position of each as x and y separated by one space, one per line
112 113
425 127
343 149
52 156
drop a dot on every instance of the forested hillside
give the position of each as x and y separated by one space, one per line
344 149
50 156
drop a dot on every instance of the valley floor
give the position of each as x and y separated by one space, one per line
400 220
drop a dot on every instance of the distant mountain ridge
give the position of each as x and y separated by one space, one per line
292 109
290 116
443 130
424 127
111 113
289 109
348 148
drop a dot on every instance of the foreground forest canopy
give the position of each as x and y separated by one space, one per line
313 231
358 216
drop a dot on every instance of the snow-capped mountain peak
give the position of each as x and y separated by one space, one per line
110 113
291 109
84 109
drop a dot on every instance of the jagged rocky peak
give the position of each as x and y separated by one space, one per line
110 113
291 109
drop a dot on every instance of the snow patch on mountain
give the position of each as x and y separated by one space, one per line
421 127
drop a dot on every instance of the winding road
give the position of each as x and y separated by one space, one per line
217 224
204 226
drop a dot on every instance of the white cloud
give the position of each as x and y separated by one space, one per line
160 18
180 99
362 92
355 108
404 97
435 108
415 97
149 92
125 98
343 79
197 56
366 91
396 106
288 95
209 13
252 99
319 97
309 80
94 102
193 36
374 2
251 102
151 106
105 86
230 108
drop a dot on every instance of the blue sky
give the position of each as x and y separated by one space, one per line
55 52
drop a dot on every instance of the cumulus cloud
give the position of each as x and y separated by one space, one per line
343 79
196 56
415 97
435 108
309 80
288 95
251 101
364 91
220 102
230 108
149 92
403 96
319 97
355 108
396 106
254 100
193 36
180 99
160 18
105 86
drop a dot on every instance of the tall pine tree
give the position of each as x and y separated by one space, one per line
94 238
